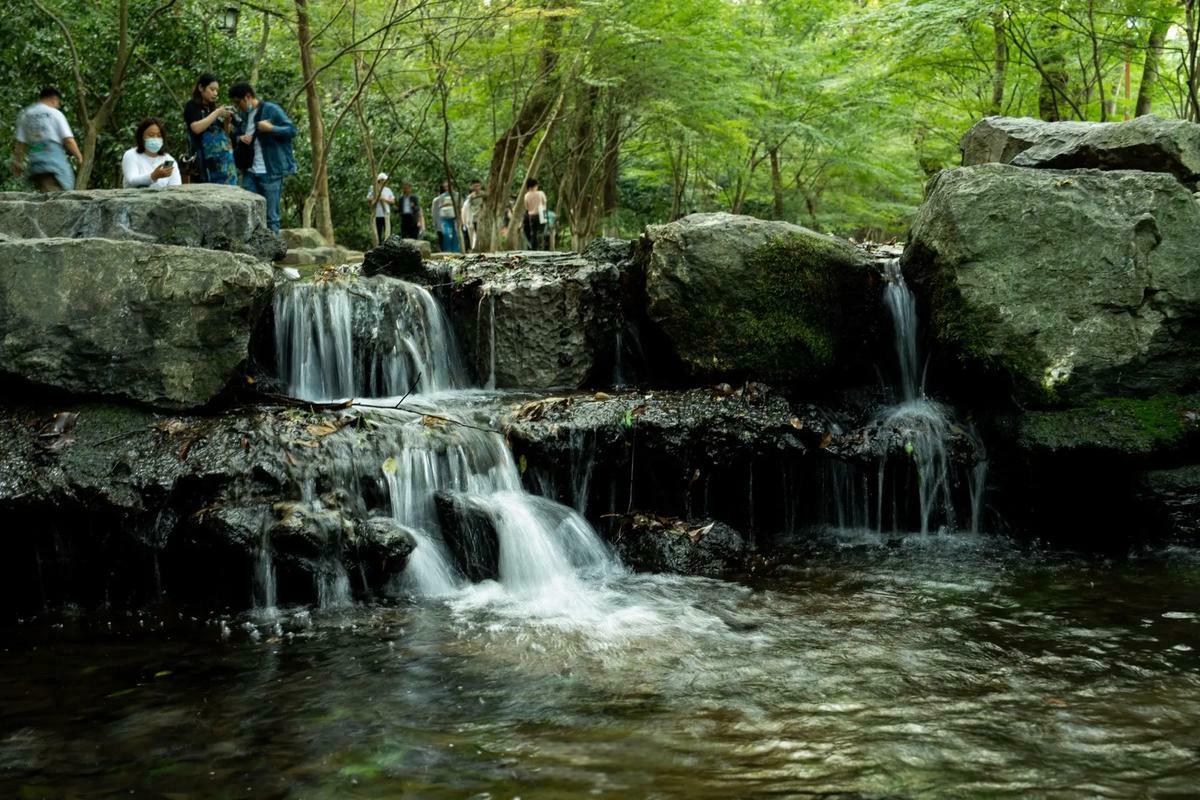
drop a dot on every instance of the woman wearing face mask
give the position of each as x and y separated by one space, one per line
147 163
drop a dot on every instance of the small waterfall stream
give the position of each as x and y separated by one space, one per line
373 338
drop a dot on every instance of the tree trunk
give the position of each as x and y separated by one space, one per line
319 196
1154 48
776 182
533 114
1000 64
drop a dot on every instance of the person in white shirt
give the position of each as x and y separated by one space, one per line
471 212
383 206
44 134
147 163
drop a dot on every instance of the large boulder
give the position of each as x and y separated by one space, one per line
158 324
1148 144
1077 285
740 296
534 320
197 215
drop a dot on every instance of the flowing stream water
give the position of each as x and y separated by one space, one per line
913 666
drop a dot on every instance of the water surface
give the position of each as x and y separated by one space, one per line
936 666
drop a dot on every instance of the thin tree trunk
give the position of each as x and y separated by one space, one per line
1154 48
1000 63
776 182
317 206
261 53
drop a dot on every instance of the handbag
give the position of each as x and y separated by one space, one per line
243 154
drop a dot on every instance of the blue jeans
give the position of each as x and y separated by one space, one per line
268 187
450 236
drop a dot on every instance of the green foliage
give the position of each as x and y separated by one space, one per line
828 113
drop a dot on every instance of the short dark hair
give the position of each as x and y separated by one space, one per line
50 91
240 90
532 182
477 181
202 80
139 136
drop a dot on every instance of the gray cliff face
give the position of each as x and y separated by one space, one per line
158 324
1078 285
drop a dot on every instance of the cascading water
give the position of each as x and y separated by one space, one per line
337 339
371 338
923 431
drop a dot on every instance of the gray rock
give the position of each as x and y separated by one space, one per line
1148 144
656 544
396 258
1173 496
533 320
302 238
740 296
158 324
470 534
1118 425
1078 285
197 215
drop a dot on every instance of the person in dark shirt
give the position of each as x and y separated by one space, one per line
208 126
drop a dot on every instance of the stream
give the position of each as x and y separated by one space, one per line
931 666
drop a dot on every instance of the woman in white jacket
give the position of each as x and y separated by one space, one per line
147 164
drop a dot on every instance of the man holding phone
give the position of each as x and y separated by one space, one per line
265 127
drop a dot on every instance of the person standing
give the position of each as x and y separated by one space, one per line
412 216
472 211
266 127
535 214
383 206
147 163
447 218
45 136
208 127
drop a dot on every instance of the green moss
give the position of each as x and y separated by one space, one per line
1126 425
785 319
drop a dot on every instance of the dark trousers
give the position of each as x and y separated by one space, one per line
408 226
533 228
380 226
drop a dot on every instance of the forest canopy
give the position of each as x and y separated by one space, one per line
828 113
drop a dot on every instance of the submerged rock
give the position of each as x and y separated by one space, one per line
706 548
197 215
1076 285
1148 144
739 296
162 325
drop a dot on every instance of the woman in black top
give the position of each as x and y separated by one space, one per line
208 129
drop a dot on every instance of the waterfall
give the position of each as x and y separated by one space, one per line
913 440
363 338
903 308
372 337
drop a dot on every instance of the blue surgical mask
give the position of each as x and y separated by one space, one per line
153 145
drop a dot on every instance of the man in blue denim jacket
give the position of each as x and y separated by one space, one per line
267 127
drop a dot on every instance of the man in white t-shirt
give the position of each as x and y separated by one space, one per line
383 206
45 136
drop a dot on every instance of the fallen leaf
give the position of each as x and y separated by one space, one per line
389 466
825 440
602 396
797 423
323 429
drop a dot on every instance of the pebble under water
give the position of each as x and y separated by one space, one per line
943 666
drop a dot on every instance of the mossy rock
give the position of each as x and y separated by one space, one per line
1126 426
1074 285
742 297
